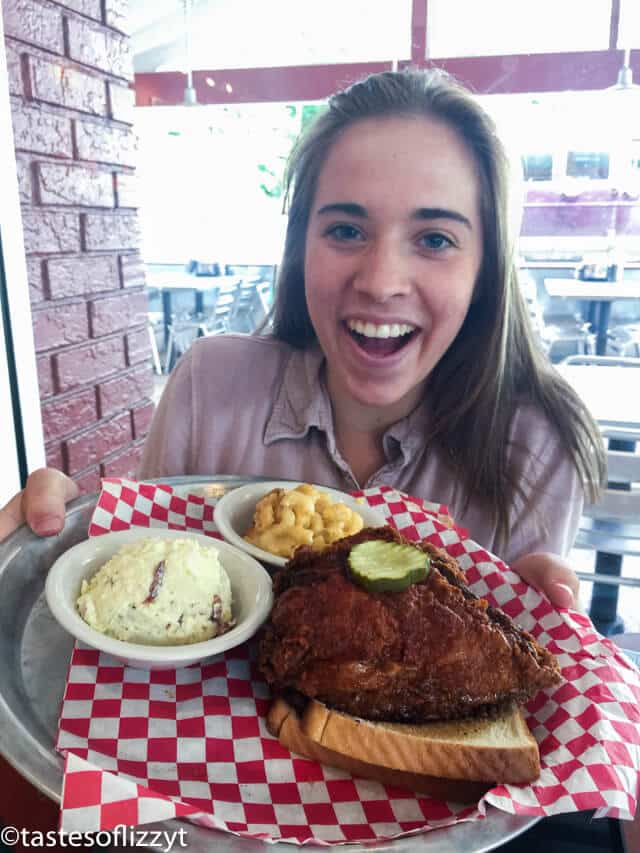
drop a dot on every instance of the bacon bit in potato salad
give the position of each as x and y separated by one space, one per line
287 518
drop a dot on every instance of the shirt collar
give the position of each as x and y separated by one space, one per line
302 402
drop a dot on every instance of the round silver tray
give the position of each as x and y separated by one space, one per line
34 658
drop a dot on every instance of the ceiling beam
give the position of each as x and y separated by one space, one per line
253 85
543 72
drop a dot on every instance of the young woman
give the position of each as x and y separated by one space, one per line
401 351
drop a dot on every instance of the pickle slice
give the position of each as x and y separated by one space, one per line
380 566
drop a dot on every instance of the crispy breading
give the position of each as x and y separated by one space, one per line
433 651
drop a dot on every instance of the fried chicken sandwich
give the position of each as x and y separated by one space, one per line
384 662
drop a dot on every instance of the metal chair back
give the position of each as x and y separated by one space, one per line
602 360
611 527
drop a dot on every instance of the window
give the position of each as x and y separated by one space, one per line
588 164
494 27
538 167
252 34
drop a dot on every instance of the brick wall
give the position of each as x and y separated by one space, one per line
69 72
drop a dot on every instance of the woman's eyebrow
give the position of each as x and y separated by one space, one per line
441 213
349 208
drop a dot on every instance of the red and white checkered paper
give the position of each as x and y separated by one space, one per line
145 746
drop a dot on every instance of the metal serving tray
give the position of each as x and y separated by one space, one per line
34 658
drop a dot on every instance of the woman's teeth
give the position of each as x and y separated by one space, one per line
385 330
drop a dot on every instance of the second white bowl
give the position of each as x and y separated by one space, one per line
233 514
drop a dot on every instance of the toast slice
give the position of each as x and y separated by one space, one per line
457 760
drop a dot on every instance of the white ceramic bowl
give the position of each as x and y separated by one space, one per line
250 588
233 514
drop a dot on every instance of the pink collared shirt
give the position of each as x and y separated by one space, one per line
254 406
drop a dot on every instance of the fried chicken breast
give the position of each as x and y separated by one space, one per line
432 651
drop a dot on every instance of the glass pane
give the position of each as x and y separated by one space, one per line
576 177
588 164
211 182
538 167
505 27
250 34
629 24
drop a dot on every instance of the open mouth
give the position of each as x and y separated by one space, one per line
381 340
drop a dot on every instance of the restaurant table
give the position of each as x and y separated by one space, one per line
601 294
612 393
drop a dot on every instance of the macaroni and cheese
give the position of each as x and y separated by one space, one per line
286 518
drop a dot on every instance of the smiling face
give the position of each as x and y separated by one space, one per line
393 249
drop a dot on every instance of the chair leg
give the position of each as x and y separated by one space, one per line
154 349
604 599
169 354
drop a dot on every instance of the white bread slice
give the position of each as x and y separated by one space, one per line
454 760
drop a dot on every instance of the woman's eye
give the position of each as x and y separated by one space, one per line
435 242
344 232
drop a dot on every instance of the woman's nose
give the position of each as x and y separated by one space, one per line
383 273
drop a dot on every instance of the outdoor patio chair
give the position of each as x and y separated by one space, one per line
611 528
251 305
624 340
560 339
184 330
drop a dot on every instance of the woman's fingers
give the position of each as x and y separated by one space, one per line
41 504
44 498
11 516
550 574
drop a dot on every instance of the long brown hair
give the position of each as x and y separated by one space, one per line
494 363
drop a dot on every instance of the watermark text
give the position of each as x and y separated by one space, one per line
119 836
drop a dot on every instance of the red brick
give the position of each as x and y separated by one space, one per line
14 67
138 346
89 482
53 455
86 274
99 48
92 446
142 417
103 143
117 312
132 270
125 391
35 23
37 287
59 183
23 171
90 8
60 325
123 464
49 231
122 100
109 232
45 376
89 364
116 14
57 84
65 415
127 189
36 130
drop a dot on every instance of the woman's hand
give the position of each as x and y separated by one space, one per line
41 503
550 574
